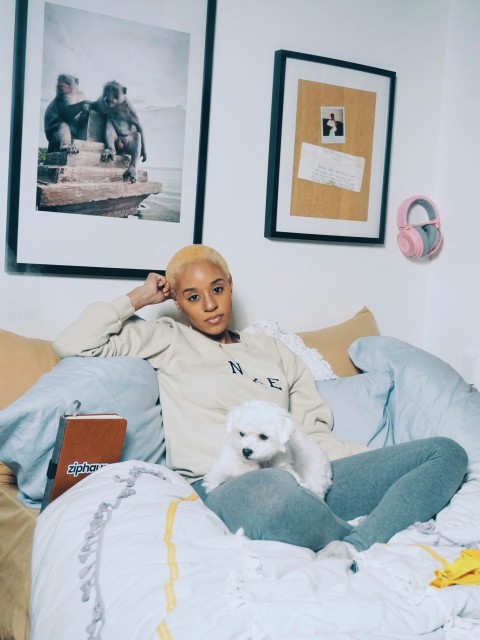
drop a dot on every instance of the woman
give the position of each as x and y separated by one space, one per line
332 125
205 368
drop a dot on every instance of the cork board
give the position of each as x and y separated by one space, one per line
316 100
329 155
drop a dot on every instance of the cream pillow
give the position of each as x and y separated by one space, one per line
22 362
333 342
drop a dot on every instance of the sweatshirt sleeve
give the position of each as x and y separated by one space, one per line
109 329
311 411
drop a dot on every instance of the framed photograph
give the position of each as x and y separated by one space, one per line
330 141
109 134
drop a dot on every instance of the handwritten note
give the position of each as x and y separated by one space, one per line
334 168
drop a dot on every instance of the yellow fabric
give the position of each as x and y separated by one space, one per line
333 342
464 570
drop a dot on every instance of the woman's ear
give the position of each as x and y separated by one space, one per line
174 298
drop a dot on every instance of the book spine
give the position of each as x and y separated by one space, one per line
52 465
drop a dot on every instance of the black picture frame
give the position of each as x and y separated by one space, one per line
59 243
326 187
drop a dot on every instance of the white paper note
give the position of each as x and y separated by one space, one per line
334 168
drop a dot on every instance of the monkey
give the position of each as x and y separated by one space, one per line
66 115
123 131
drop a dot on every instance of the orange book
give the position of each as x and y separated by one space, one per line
84 444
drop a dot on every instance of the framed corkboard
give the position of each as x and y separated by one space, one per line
330 146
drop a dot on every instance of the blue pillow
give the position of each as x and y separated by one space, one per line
429 397
359 407
124 385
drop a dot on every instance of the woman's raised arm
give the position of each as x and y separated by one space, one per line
108 328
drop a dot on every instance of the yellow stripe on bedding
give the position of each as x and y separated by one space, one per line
169 588
163 631
433 553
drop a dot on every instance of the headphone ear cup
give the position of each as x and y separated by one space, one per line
424 239
431 236
411 242
438 240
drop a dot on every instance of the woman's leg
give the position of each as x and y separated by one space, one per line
395 486
269 504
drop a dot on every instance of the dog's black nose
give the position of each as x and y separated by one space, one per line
247 452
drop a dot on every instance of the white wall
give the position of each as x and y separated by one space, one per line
312 284
303 285
453 317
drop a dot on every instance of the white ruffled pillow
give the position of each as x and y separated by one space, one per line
320 368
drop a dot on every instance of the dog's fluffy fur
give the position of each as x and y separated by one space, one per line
262 434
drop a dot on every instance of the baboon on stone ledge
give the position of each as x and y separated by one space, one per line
66 116
123 131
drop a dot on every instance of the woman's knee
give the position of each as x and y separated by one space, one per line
454 456
265 491
258 501
452 450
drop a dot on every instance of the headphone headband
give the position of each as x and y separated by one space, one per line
412 225
422 201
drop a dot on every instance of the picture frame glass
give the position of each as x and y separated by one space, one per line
329 149
80 213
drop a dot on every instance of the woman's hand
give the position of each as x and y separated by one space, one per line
154 290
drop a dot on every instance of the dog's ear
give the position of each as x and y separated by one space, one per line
232 418
286 427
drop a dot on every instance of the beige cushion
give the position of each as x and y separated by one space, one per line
6 476
22 362
333 342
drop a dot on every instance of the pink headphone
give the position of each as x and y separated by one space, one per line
419 239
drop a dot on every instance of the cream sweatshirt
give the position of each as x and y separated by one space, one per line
200 379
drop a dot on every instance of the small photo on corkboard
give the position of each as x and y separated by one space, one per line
330 143
333 125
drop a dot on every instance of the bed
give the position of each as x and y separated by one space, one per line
131 552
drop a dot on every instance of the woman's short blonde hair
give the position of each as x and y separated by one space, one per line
189 254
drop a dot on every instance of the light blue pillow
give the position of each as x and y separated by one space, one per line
429 397
359 407
124 385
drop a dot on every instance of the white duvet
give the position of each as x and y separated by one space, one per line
130 553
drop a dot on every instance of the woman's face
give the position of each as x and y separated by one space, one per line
204 294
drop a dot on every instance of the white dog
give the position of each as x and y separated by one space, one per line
262 434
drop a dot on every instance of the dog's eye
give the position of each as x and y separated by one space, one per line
241 434
262 436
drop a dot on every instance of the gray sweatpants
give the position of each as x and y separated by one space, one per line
394 487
